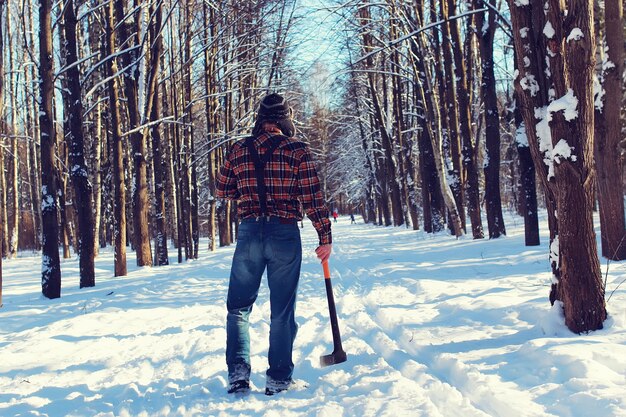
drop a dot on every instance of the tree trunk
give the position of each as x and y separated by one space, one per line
429 99
193 236
450 118
2 131
607 151
390 168
527 179
131 76
14 175
495 221
97 176
51 266
210 52
156 42
119 187
78 171
572 61
465 129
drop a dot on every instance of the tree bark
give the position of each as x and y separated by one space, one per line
527 179
14 175
390 168
463 107
97 175
486 30
451 102
76 143
572 60
51 266
130 76
2 131
119 187
156 40
607 151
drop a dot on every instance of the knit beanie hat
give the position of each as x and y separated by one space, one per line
274 108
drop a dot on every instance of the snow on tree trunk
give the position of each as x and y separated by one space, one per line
78 168
571 53
51 267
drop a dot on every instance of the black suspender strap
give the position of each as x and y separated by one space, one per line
259 167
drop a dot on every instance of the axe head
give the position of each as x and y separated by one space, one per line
333 359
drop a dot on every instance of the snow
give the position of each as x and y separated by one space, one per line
524 32
520 136
544 137
548 30
575 35
598 94
529 82
562 150
521 3
568 103
433 326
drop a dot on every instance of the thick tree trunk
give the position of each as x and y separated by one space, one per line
119 187
2 131
531 86
51 266
572 59
607 151
76 143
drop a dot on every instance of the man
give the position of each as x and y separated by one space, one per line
273 178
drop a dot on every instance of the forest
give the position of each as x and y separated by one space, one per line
115 117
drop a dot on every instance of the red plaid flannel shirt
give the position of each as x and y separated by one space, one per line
290 178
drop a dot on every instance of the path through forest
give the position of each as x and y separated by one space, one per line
433 326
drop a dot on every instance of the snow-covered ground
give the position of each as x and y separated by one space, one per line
433 326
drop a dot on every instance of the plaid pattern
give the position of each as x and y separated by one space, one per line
290 178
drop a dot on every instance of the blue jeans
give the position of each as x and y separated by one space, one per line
266 242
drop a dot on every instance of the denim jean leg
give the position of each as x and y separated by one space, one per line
245 279
283 270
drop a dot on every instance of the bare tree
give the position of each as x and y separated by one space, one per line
76 143
572 59
485 32
156 42
51 266
128 27
119 204
14 175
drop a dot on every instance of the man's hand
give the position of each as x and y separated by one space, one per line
323 252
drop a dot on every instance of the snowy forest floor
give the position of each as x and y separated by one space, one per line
433 326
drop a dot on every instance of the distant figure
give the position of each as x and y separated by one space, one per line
352 221
335 215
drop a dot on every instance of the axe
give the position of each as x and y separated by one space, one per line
338 355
